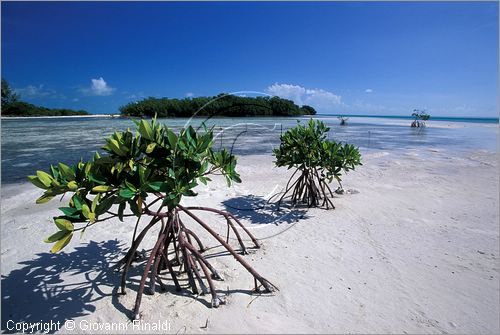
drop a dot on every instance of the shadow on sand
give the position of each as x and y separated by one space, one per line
258 210
45 288
64 286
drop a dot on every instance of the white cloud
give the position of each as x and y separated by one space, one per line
133 96
32 91
287 91
318 98
189 94
368 90
98 87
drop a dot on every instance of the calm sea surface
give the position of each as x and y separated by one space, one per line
33 144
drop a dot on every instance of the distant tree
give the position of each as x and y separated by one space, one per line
420 117
308 110
8 95
13 106
21 108
343 120
281 106
222 105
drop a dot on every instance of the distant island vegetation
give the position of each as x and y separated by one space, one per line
220 105
13 106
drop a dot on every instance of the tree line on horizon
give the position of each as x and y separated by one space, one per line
13 106
220 105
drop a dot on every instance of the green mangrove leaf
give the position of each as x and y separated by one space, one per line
55 183
62 242
86 211
203 180
145 130
155 186
172 138
88 167
130 186
44 198
104 205
126 193
150 148
116 147
35 181
102 189
72 185
96 178
54 172
77 201
70 212
152 159
121 209
134 208
95 201
44 178
64 224
66 172
189 193
56 236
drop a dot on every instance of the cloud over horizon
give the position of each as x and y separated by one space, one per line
98 87
32 91
320 99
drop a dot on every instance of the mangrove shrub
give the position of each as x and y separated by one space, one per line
146 174
317 161
420 117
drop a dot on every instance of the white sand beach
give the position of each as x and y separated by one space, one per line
174 92
412 247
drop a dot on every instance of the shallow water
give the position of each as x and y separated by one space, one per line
33 144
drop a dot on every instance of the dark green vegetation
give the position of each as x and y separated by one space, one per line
8 95
420 117
221 105
12 106
317 160
146 175
343 120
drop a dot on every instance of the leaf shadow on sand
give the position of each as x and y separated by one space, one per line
61 286
258 210
65 286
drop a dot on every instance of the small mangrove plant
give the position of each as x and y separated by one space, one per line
420 117
145 175
317 162
343 120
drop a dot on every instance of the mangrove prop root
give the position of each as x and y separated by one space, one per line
178 250
309 188
131 253
228 217
265 283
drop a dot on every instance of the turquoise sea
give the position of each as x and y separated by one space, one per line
32 144
434 118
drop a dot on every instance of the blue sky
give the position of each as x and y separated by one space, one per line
351 58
